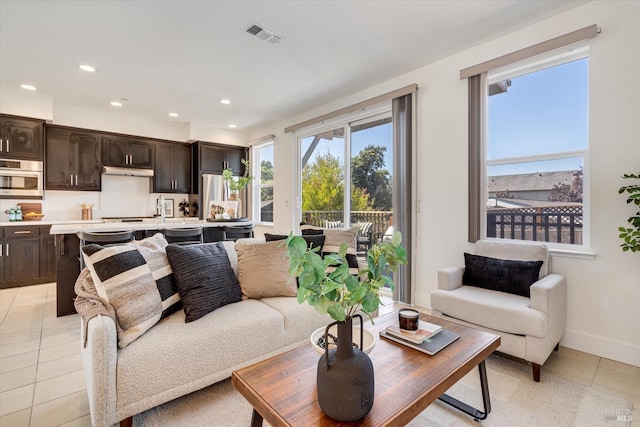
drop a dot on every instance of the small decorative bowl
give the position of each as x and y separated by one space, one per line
32 216
368 339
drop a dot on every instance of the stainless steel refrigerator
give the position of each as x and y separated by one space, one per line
215 188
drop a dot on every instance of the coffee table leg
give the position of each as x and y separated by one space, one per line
256 419
486 401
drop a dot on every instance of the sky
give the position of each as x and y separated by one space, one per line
541 112
378 135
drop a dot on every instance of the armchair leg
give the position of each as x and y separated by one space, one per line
536 372
557 347
127 422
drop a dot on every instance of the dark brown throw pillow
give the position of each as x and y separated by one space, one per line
204 278
514 277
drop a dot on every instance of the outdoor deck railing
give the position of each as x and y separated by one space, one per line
380 220
558 224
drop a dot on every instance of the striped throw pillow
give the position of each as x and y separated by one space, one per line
137 281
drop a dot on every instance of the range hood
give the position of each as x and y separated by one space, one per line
113 170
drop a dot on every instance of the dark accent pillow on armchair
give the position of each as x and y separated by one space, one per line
514 277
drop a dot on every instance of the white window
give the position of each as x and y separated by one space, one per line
536 168
263 182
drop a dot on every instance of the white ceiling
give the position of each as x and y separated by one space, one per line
184 56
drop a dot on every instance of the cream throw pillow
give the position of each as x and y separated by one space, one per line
263 270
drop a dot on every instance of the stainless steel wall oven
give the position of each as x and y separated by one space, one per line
21 179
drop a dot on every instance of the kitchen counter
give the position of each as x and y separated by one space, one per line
151 224
49 222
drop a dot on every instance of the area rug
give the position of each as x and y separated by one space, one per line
515 401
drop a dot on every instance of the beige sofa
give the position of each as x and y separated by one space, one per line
530 328
174 358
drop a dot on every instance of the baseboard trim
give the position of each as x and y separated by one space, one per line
604 347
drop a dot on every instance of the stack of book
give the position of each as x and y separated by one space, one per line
425 331
429 338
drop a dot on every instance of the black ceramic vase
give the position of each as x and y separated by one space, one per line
345 377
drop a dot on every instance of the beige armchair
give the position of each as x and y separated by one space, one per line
530 328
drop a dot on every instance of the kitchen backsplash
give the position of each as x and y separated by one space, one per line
120 196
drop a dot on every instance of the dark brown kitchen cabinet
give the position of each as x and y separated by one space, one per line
67 271
72 160
173 168
127 152
21 137
20 256
214 159
47 256
210 158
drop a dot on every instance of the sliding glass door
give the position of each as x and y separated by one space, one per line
346 177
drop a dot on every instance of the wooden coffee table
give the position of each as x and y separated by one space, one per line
282 390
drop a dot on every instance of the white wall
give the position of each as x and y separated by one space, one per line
603 293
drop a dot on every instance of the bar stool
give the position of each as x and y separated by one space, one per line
107 237
234 233
183 236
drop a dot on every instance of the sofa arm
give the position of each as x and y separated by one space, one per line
450 278
99 359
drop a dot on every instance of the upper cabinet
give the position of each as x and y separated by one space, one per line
127 152
21 137
173 168
209 158
215 158
73 159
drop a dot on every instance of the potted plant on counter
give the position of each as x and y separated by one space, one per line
237 183
345 374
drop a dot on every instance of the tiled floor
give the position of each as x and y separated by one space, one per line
42 381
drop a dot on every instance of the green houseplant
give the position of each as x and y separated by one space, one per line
631 236
337 292
345 376
238 183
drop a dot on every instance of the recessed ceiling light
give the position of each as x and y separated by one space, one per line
173 114
87 68
116 103
28 87
225 101
233 126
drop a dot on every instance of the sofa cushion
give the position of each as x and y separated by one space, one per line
514 277
263 270
299 319
136 279
499 311
204 278
176 357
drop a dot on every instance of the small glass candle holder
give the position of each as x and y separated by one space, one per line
408 319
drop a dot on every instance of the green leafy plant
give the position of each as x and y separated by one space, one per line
631 236
334 290
238 183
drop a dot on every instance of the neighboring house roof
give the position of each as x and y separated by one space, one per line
543 181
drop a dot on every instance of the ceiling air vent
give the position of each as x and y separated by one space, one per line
264 34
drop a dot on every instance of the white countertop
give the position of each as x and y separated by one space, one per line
74 227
